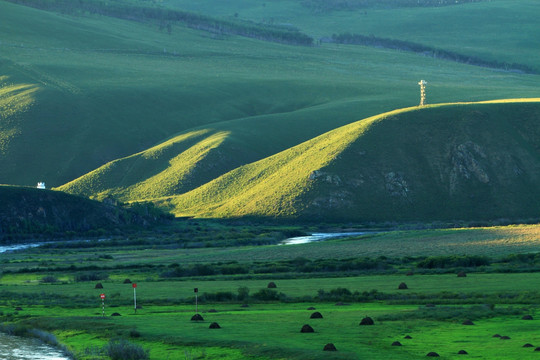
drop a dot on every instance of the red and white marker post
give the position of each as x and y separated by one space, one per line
135 296
102 304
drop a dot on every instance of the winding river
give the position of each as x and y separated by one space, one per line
5 248
318 237
19 348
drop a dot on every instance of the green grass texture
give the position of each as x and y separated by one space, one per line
449 161
111 88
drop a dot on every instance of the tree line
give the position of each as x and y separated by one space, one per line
330 5
358 39
122 10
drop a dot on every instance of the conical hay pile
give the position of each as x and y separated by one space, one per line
367 321
307 329
316 315
197 317
329 347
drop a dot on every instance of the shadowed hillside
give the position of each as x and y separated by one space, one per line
439 162
30 212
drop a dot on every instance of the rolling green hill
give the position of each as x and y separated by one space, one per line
105 88
496 30
439 162
143 107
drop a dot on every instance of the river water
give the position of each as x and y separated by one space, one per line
19 348
317 237
5 248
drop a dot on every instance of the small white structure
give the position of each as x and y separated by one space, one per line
422 84
41 185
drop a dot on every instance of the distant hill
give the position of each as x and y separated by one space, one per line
80 89
438 162
30 212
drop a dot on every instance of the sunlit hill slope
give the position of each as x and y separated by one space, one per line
456 161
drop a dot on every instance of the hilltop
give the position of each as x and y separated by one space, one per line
438 162
101 88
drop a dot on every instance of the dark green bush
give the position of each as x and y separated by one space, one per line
91 276
49 279
442 262
266 295
125 350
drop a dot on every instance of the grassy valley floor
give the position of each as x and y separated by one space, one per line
53 288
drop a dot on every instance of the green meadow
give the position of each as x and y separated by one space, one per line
52 288
211 112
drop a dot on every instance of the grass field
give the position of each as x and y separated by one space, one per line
486 29
214 124
130 86
495 299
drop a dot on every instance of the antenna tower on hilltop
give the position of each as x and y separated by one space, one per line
422 84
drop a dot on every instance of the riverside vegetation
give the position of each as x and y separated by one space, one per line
53 288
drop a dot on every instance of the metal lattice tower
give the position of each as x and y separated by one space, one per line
422 84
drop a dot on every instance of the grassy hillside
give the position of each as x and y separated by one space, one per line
104 89
496 30
455 161
35 213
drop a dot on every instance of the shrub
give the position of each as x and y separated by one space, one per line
266 295
219 296
49 279
243 293
442 262
91 276
125 350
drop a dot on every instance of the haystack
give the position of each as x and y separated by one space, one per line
537 349
214 325
197 317
367 321
329 347
496 335
527 317
18 308
462 352
127 281
115 314
402 286
528 345
408 337
432 354
505 337
311 308
316 315
98 286
212 311
396 343
307 329
467 322
461 274
272 285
